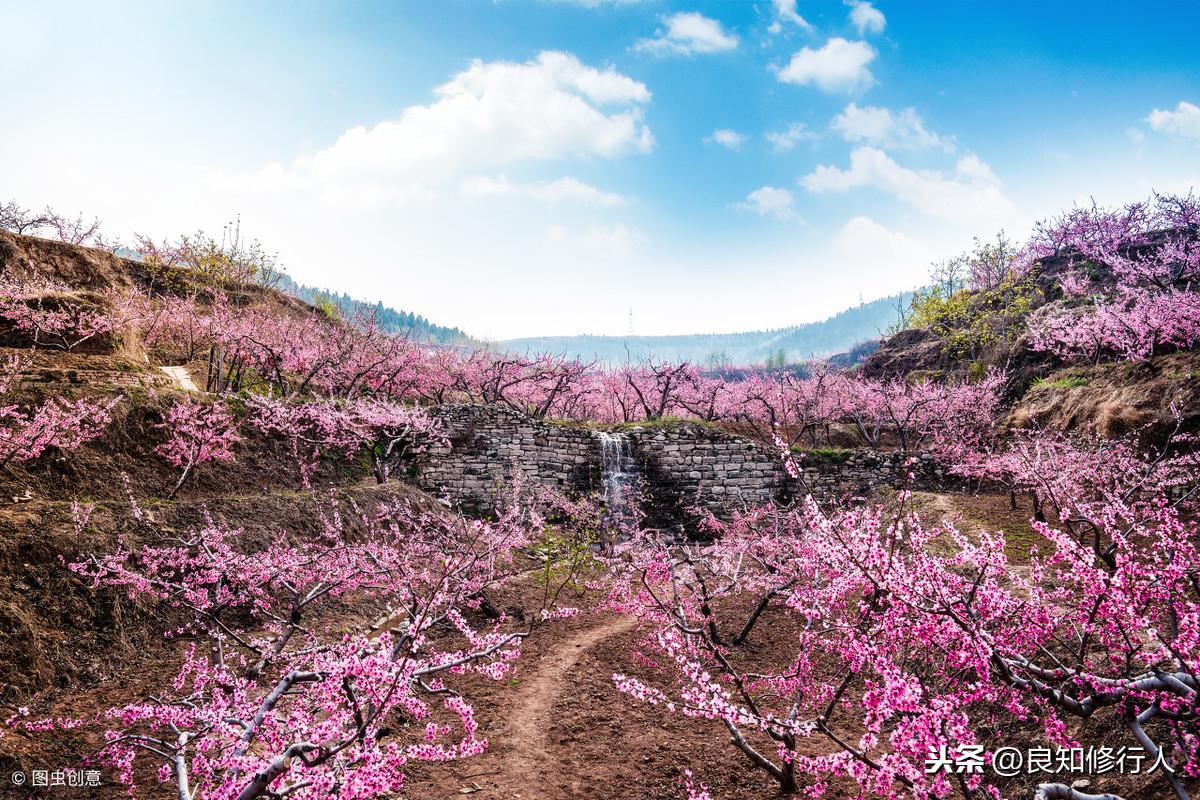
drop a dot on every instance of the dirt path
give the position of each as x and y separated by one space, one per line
523 761
180 376
531 716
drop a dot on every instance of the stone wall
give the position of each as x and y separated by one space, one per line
680 467
689 466
861 471
488 443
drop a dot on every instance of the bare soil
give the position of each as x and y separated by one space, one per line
560 730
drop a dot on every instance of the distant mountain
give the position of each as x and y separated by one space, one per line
389 319
839 333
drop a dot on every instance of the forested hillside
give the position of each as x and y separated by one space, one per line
386 317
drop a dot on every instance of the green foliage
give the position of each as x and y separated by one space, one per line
971 322
1068 382
326 305
566 554
718 359
231 261
918 376
1187 375
834 455
387 318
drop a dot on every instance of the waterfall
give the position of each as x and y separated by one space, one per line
616 476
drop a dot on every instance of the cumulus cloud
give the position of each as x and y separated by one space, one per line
839 66
562 190
1182 123
770 201
882 127
971 192
727 138
785 11
866 17
688 33
790 136
492 114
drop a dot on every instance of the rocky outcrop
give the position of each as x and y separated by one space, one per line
912 350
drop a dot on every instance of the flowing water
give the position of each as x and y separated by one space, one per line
616 476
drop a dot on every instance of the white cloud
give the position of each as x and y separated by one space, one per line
770 201
883 128
790 136
785 11
866 17
491 114
839 66
862 240
688 33
562 190
727 138
618 239
971 193
1182 123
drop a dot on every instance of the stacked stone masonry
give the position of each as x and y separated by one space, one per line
487 444
681 467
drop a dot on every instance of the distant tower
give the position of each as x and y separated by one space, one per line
631 320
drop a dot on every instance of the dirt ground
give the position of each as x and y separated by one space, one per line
557 728
560 730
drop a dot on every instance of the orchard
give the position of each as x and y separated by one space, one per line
897 637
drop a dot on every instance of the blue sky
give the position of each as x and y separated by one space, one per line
525 167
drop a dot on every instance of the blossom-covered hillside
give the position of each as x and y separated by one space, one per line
220 579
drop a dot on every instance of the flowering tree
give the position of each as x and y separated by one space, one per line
196 433
311 429
903 648
788 406
277 707
26 433
72 231
51 314
233 259
655 386
388 431
1132 276
392 431
21 220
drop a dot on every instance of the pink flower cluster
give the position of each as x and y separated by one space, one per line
274 700
1133 274
905 637
196 434
27 432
